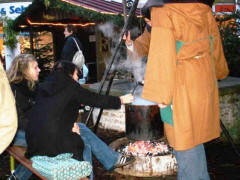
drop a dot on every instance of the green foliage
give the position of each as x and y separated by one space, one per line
230 33
10 36
43 54
89 14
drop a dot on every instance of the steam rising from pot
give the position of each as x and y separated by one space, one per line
123 63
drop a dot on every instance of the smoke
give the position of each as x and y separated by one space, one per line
108 31
122 61
136 67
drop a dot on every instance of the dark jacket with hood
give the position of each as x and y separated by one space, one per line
24 98
49 131
70 48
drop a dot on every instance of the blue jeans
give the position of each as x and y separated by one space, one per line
21 172
192 164
105 155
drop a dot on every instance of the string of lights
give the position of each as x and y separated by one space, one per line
59 24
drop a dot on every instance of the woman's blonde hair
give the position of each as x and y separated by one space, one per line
19 69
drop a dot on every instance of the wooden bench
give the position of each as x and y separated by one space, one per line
17 153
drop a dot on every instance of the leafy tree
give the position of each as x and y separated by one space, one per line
9 36
230 33
43 53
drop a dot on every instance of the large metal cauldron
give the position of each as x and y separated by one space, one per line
143 122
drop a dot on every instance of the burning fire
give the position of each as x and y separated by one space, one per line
145 148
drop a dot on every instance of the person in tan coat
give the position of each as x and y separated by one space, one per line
138 48
185 61
8 114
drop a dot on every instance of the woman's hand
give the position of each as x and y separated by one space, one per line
125 99
76 129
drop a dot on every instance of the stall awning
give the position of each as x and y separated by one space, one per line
102 6
40 16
